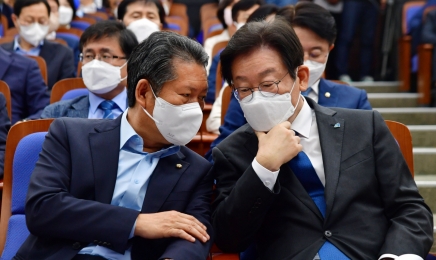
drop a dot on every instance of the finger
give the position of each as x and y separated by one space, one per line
181 234
286 124
259 134
196 226
191 218
195 231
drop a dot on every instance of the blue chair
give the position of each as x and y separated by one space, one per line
75 93
23 146
73 42
81 25
173 27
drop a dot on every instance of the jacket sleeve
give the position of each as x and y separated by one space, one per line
52 211
363 101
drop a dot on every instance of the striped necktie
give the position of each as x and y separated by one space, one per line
107 106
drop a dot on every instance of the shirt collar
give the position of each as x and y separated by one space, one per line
303 122
315 87
120 100
130 140
17 46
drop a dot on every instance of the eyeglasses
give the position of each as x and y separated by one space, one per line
108 58
266 89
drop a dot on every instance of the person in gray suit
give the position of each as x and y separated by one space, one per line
302 181
106 47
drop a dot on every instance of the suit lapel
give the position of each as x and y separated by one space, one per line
5 61
162 181
105 164
47 51
331 138
326 87
79 109
287 178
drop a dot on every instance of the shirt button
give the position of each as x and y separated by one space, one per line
267 183
136 181
328 233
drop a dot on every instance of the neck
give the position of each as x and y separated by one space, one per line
146 128
112 94
25 45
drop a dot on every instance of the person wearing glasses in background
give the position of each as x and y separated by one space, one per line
105 46
32 20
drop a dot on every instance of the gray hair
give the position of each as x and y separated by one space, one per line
153 60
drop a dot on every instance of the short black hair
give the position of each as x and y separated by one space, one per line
244 5
20 4
313 17
277 35
153 60
220 12
73 6
262 12
122 8
110 28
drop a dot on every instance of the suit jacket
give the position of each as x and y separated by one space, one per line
340 96
28 90
77 107
373 204
5 124
59 59
70 191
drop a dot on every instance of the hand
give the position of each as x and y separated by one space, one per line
170 224
278 146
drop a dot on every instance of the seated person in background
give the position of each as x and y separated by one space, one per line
128 188
6 10
54 19
32 18
429 36
67 12
142 17
213 122
28 91
315 27
5 124
106 46
241 11
302 181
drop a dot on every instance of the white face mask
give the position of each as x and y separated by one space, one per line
177 124
263 113
101 77
54 22
166 8
228 15
143 28
315 71
33 33
65 15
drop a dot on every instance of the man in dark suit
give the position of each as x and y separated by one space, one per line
105 47
31 18
128 188
301 181
316 30
28 90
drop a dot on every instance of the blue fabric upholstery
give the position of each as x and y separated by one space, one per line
173 26
25 158
81 25
215 27
75 93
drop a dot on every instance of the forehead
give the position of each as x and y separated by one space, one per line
310 39
142 7
107 43
38 10
256 63
189 75
53 5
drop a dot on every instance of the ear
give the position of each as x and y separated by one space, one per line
303 76
14 19
160 26
331 47
143 92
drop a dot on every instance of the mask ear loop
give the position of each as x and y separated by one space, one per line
155 120
120 71
299 96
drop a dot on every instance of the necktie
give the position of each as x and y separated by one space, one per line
304 171
107 107
305 93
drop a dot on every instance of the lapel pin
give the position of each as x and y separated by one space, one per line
327 94
178 166
337 125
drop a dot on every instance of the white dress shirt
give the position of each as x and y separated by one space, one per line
210 43
213 122
305 124
94 101
315 91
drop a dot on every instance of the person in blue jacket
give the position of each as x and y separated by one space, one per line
316 29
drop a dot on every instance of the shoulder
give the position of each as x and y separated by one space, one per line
341 87
193 157
56 47
238 138
59 108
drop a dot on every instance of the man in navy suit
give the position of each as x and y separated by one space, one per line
31 18
128 188
316 29
105 47
28 90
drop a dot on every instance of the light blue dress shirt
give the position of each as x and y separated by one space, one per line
34 51
134 170
94 101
